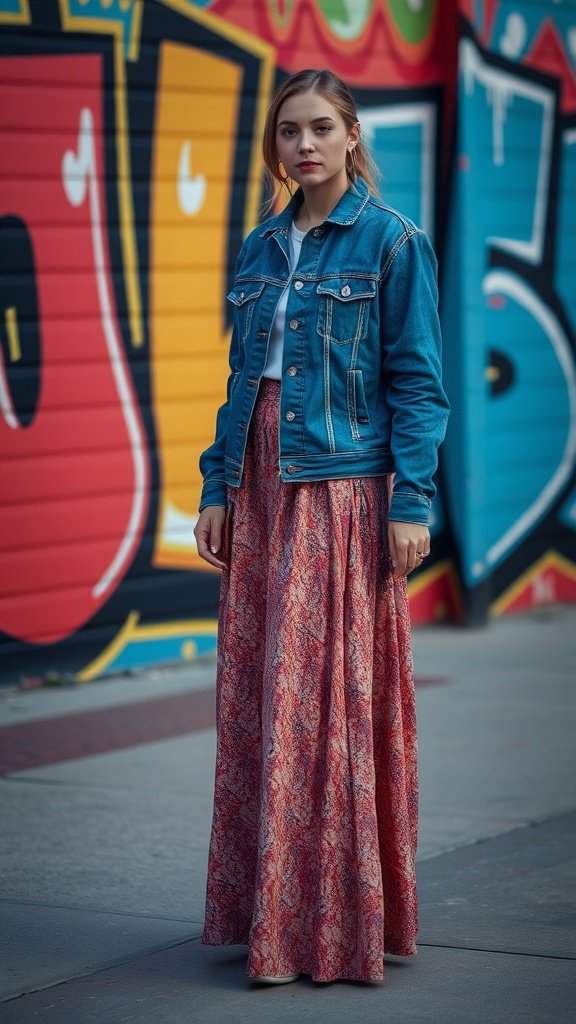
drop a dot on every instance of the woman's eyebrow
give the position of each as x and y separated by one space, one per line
313 121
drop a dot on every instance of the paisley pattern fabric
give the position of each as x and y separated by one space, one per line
313 845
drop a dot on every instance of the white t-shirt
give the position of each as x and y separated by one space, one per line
273 366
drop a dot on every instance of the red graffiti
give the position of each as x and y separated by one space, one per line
74 473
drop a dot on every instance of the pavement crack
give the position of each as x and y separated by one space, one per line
505 952
101 969
490 837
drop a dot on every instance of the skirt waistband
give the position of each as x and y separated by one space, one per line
269 389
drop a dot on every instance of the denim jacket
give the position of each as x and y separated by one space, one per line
361 391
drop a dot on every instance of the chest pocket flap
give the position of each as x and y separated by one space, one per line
244 296
248 292
347 289
344 305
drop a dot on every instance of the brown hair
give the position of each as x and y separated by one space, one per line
338 94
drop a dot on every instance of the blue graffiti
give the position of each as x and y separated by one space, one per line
519 447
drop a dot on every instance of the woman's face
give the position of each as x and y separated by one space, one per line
312 140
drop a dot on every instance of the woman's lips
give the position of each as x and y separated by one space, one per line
307 165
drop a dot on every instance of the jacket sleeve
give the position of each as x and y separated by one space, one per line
412 363
212 459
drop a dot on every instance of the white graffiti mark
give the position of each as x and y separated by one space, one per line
513 41
178 528
398 116
543 590
501 88
6 405
357 14
501 282
79 176
571 40
191 190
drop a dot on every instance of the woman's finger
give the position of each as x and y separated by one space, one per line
208 535
392 547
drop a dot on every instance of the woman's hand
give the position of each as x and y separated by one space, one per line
409 544
208 533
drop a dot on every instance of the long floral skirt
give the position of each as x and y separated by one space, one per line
313 845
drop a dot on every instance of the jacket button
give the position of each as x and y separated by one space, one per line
290 415
241 296
318 231
292 371
345 291
293 325
298 285
236 473
291 469
262 334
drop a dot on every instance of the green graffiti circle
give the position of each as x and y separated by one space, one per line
413 18
347 18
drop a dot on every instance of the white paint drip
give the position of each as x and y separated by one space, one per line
499 98
79 179
501 88
191 189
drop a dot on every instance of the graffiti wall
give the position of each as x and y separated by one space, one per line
130 172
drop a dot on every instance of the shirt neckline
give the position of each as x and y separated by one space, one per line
297 233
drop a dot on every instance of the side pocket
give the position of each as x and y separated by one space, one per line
357 406
233 384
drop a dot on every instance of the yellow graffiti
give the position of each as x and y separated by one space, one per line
132 632
194 140
266 56
13 334
550 560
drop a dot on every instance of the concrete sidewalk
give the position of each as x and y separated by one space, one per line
103 857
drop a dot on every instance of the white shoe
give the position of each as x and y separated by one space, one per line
270 979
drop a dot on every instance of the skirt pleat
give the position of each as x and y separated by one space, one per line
314 834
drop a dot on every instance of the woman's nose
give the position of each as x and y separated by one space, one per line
306 142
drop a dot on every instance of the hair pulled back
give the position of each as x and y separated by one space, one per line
336 92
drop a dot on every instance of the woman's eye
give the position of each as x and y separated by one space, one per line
322 128
289 132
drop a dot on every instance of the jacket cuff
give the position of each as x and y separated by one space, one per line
409 507
213 493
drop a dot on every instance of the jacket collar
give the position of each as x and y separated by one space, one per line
346 211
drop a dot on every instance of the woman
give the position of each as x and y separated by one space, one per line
334 387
